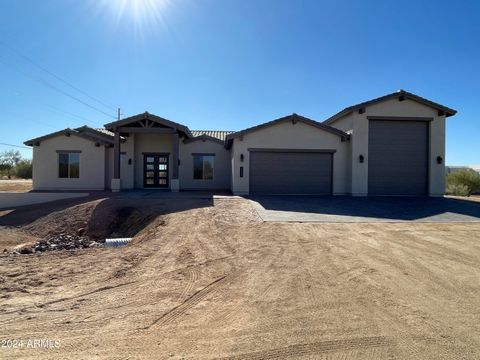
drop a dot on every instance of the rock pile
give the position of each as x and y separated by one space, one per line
60 242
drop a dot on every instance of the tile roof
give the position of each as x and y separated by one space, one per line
218 134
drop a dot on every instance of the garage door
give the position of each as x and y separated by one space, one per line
398 157
277 172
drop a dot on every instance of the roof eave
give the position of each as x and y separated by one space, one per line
441 108
203 138
294 117
67 132
146 115
33 141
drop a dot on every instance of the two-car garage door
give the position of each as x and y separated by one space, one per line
398 157
291 172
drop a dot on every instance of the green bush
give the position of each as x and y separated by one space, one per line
458 190
23 169
463 182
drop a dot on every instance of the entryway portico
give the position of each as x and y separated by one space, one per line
150 145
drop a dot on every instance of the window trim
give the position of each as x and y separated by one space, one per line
69 153
203 166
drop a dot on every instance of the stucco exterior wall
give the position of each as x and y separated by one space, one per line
394 107
127 174
45 160
221 167
345 123
151 143
286 135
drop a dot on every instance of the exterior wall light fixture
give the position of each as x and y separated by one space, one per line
439 160
361 158
241 157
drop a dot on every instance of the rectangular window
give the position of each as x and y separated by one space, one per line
69 165
203 166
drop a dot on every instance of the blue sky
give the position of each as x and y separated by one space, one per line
230 64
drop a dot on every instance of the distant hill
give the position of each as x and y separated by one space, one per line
451 169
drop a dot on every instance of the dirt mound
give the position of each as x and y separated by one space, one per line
71 221
118 221
89 224
96 219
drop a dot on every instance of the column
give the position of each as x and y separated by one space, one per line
116 162
175 183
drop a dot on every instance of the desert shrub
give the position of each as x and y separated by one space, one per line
458 190
463 182
23 169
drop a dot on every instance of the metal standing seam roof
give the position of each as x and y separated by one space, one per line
218 134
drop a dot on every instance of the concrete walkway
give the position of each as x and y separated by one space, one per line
365 209
10 200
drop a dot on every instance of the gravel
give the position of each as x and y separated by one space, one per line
60 242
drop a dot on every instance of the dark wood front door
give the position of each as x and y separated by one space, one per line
155 170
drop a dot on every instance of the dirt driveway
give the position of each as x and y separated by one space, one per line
207 279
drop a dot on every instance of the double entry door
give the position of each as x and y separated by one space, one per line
155 170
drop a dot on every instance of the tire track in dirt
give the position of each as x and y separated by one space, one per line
321 348
400 332
178 311
306 278
266 266
427 246
192 276
48 303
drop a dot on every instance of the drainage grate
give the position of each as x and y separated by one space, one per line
117 242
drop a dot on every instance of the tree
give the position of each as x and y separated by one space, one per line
8 160
23 170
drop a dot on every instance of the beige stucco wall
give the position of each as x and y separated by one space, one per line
221 167
127 174
45 168
151 143
394 107
286 135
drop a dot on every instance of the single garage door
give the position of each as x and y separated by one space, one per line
280 172
398 157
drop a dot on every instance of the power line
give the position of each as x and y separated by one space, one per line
46 83
17 146
58 110
30 60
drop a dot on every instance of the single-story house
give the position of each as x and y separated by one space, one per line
392 145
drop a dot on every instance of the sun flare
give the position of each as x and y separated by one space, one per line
143 15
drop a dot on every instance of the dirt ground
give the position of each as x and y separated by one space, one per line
16 185
206 279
